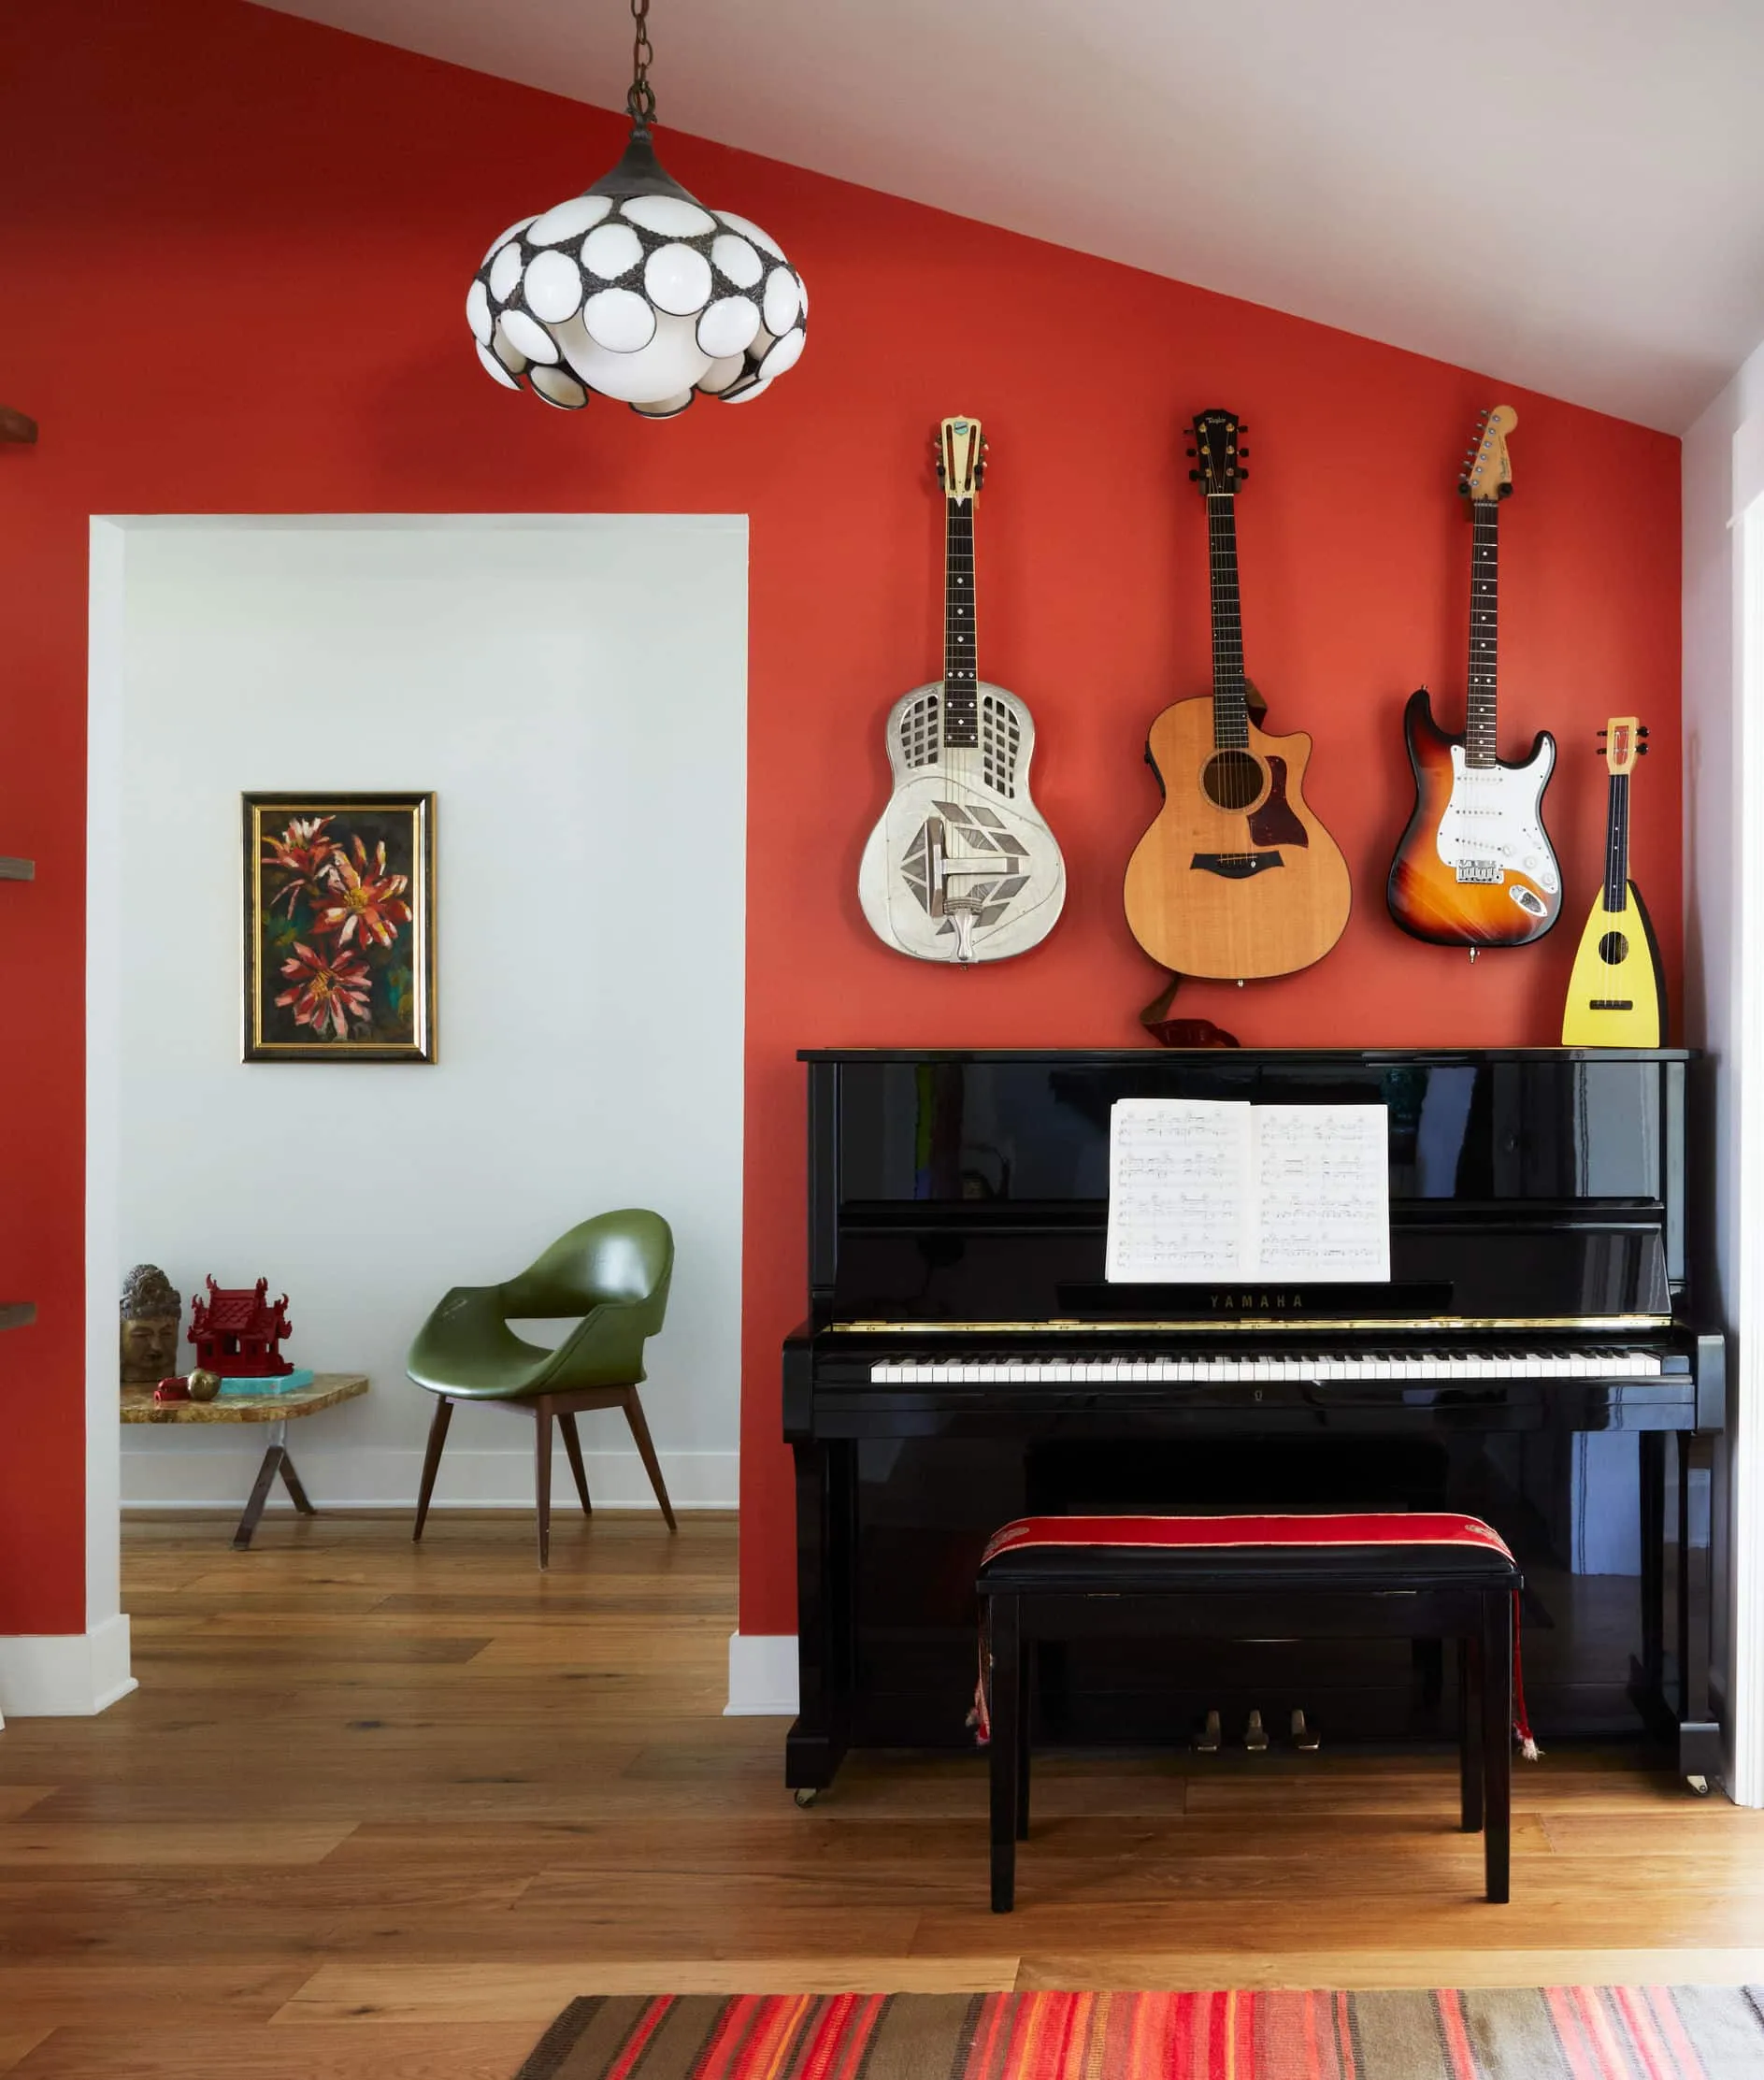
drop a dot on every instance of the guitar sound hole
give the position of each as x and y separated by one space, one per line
1613 949
1232 778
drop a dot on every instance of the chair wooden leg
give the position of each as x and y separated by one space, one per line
1470 1735
542 1474
572 1445
1006 1749
432 1459
646 1452
1497 1684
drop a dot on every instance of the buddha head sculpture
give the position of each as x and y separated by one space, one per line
152 1316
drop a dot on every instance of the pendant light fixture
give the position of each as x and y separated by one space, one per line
635 290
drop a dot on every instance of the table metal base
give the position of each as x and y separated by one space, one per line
276 1460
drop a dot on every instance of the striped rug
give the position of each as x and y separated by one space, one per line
1552 2034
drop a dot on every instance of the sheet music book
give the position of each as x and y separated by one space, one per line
1200 1189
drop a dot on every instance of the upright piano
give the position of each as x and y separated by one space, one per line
1537 1358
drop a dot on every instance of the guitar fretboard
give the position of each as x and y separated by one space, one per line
1230 704
1617 843
1481 741
961 719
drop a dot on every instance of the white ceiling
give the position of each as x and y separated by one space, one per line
1568 195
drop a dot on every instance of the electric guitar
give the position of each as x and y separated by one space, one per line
961 867
1616 995
1237 878
1475 868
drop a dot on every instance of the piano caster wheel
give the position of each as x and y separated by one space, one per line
1255 1735
1303 1738
1699 1786
806 1797
1207 1739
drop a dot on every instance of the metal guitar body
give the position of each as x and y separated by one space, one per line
961 867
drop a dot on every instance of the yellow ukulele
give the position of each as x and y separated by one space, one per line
1615 997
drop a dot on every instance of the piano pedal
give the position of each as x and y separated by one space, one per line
1255 1735
1304 1738
1207 1739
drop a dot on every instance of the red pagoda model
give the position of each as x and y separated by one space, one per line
235 1333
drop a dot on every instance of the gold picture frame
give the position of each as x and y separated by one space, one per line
339 927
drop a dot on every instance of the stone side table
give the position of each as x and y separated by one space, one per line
278 1410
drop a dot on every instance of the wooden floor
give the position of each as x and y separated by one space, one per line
377 1811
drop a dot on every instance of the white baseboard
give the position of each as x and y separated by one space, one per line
64 1675
762 1675
161 1471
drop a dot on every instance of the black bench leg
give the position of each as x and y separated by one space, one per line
1007 1734
1497 1688
1470 1734
1026 1688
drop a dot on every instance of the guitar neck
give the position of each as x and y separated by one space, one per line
1481 740
1230 702
1617 843
961 680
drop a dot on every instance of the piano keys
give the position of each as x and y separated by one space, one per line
1102 1369
1537 1358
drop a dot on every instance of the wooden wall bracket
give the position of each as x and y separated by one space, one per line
15 426
18 869
17 1315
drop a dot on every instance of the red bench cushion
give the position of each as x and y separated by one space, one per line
1203 1533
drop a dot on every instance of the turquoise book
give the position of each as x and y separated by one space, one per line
285 1382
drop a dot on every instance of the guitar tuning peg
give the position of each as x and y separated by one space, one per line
1189 452
1641 751
1243 455
1194 476
1244 473
1642 732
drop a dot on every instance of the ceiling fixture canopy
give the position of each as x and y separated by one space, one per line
635 290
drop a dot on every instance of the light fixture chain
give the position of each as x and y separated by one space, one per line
639 104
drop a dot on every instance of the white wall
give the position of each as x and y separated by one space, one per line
574 691
1724 1000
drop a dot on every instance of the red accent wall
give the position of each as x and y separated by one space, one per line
237 247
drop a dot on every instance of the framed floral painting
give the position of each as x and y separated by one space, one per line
339 927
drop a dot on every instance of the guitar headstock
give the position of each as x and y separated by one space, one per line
1486 473
961 460
1625 741
1216 455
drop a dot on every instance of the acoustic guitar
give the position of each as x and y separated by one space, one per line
1475 867
1616 995
962 865
1237 878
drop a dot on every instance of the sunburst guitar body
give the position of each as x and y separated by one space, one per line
1237 879
1475 867
1616 995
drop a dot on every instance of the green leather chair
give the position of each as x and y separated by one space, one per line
613 1272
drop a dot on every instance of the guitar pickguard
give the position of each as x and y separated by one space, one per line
1275 823
1493 826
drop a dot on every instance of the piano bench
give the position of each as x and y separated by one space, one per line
1405 1575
